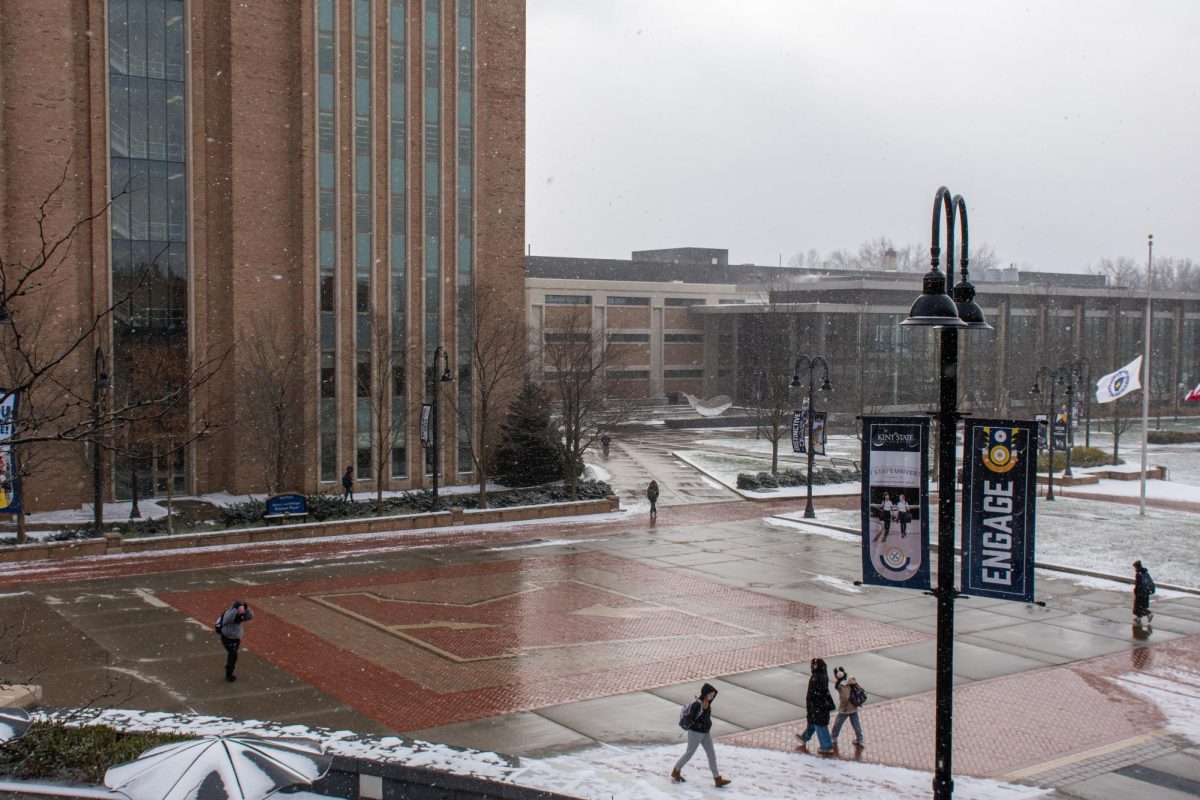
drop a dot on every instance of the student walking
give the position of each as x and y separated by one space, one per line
903 515
889 511
1143 587
847 707
652 496
348 484
818 704
229 626
697 721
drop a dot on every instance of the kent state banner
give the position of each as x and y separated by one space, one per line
999 491
895 498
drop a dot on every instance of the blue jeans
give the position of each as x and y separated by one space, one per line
841 720
822 732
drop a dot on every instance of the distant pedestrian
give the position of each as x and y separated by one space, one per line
605 441
1143 587
697 721
818 705
847 709
229 626
652 496
348 484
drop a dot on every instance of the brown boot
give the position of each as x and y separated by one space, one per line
803 746
675 776
719 781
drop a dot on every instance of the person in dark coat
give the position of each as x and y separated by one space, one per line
348 484
229 626
818 705
699 731
652 496
1143 587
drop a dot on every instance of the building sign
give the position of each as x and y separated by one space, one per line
426 410
287 505
999 469
800 432
895 501
10 492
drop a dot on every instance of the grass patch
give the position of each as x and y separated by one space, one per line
74 754
1080 457
1172 437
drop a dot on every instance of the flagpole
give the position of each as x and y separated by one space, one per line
1146 368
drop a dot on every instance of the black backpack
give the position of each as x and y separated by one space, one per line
685 715
858 695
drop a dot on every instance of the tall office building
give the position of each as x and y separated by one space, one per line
327 175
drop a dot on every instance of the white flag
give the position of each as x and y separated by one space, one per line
1116 385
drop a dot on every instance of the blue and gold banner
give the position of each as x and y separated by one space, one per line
10 485
999 491
895 502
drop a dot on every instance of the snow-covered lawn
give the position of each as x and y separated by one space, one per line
725 467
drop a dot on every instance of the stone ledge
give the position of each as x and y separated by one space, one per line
19 695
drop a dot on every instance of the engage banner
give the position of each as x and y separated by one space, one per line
999 491
895 501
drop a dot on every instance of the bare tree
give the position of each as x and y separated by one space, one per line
496 338
49 373
1120 417
381 381
575 362
272 368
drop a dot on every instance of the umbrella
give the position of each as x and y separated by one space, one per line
13 723
219 768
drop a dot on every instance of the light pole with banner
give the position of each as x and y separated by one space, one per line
1068 375
446 377
805 361
99 384
937 309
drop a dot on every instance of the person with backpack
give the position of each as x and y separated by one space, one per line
229 627
605 442
696 719
818 705
348 484
850 699
1143 587
652 496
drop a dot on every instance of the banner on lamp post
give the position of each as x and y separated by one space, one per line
426 411
1042 441
10 485
799 430
895 502
999 491
1060 431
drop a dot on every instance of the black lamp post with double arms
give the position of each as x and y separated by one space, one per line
935 308
1067 375
804 361
99 384
446 377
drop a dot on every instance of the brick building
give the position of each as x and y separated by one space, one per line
691 322
337 173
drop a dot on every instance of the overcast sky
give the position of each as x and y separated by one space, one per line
773 126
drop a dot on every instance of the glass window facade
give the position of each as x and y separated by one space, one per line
147 139
327 231
398 227
364 218
465 217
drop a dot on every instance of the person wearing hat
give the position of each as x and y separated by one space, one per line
846 709
818 704
229 626
698 719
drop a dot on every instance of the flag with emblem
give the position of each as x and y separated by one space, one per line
1116 385
1193 395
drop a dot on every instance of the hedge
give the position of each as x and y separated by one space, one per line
70 754
795 477
1172 437
1080 457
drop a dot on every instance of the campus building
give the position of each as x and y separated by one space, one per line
332 175
693 323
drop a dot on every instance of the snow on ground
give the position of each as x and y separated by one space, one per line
644 772
1155 489
601 773
724 468
1176 692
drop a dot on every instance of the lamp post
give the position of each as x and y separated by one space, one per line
1051 420
99 384
811 363
434 380
934 308
1067 374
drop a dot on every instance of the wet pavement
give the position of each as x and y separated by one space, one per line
536 639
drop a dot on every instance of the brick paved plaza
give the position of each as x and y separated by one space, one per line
548 638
